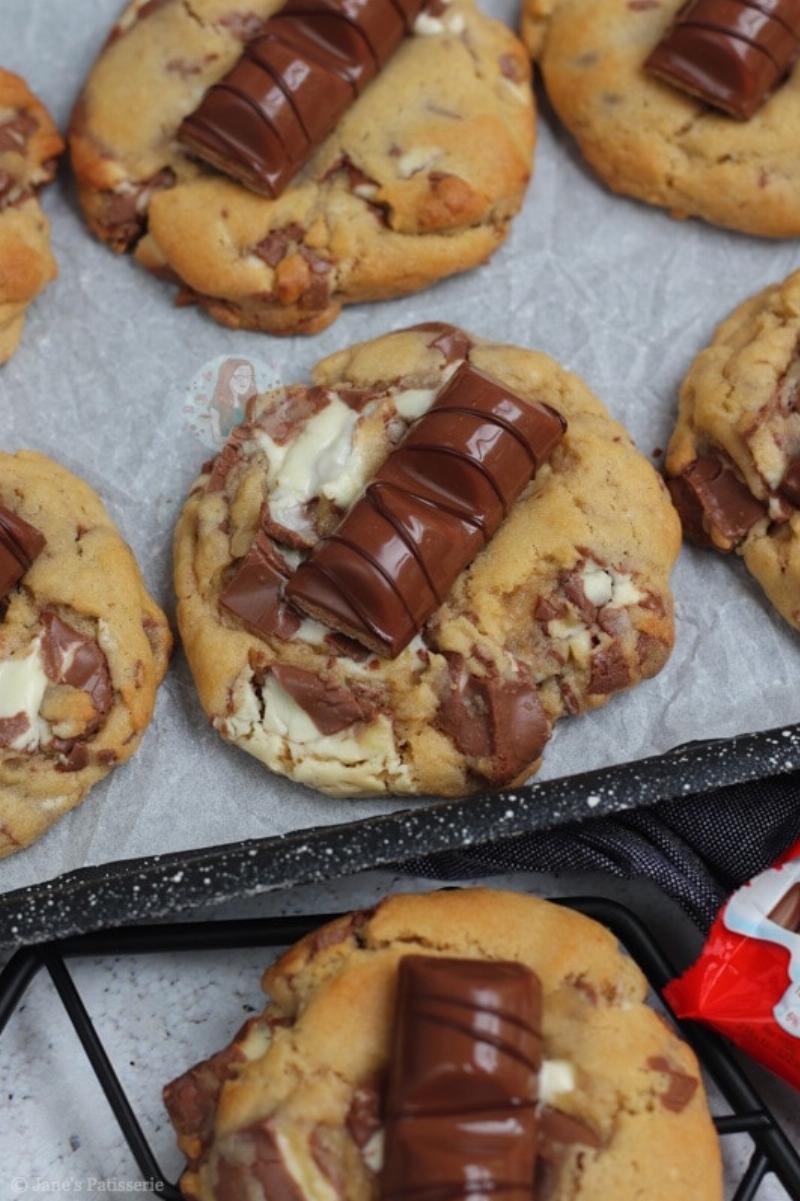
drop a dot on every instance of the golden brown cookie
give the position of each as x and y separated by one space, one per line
420 178
83 648
647 139
296 1100
29 147
568 604
734 456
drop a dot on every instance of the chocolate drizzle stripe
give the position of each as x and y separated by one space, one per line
439 506
455 1191
737 37
403 15
326 62
374 563
343 17
496 419
459 1109
730 53
776 15
255 107
472 1006
280 82
478 1036
474 464
374 492
351 601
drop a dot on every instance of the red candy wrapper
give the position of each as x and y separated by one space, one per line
746 983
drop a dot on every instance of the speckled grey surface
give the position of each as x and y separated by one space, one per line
158 1014
616 291
126 892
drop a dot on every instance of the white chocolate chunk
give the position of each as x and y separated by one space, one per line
580 648
318 454
557 1076
561 627
417 159
321 461
53 804
598 585
373 1151
413 402
625 591
23 683
312 1183
367 191
428 26
283 715
312 631
257 1042
769 457
362 758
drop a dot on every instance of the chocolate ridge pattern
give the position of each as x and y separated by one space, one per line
328 40
436 501
730 53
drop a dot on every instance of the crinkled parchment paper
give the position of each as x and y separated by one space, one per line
618 292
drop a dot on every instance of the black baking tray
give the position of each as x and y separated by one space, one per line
131 890
772 1153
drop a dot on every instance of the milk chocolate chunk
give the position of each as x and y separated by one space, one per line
330 706
787 912
20 545
488 718
250 1163
711 499
255 594
294 81
76 660
461 1105
730 53
681 1087
432 506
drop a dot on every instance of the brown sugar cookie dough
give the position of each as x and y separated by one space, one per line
647 139
83 647
419 179
293 1109
29 147
734 457
567 604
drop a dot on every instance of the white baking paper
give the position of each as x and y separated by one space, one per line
615 290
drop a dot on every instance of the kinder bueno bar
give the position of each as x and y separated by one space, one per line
294 81
433 505
730 53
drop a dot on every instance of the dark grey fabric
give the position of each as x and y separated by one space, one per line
698 850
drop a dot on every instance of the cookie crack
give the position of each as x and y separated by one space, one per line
193 15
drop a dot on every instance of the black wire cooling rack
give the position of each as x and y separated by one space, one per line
772 1153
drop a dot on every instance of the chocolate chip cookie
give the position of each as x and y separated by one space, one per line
419 178
734 457
613 1104
29 148
369 625
650 139
83 647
